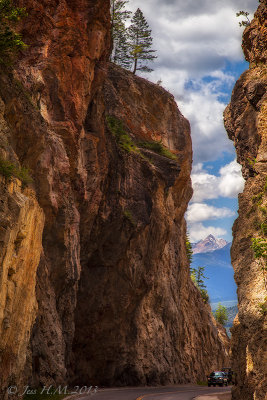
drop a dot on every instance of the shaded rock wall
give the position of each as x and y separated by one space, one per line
139 318
246 124
115 301
46 101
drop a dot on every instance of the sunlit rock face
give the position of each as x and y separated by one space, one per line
20 248
103 220
21 227
246 124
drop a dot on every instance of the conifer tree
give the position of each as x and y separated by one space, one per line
121 49
188 246
245 14
197 276
140 42
221 314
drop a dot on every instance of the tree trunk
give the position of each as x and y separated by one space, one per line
135 66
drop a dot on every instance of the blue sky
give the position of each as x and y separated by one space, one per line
198 45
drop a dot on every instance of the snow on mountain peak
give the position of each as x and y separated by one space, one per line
209 244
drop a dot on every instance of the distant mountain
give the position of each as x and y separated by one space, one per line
231 311
209 244
219 271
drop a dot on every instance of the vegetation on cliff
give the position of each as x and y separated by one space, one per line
126 143
159 148
10 41
9 169
245 122
197 276
140 42
221 314
120 46
111 219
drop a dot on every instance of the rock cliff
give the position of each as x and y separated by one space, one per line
110 157
135 292
246 124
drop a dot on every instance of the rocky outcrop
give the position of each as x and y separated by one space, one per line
139 318
110 156
246 124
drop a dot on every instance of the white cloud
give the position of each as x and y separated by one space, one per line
197 168
195 36
198 212
198 232
196 39
195 42
231 182
205 113
207 186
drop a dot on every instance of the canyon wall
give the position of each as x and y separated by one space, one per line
246 124
139 318
45 105
21 226
111 301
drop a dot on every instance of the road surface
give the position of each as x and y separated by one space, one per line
181 392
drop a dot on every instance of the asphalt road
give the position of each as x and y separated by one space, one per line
181 392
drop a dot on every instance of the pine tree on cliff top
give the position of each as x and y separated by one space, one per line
121 49
140 41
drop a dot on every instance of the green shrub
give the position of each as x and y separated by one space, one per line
129 216
24 175
263 210
10 41
258 198
126 143
262 307
122 138
264 228
159 148
259 247
204 295
8 170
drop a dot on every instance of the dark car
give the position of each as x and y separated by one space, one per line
217 378
229 373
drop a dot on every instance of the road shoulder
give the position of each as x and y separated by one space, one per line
215 396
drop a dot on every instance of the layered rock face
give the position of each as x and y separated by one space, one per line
246 124
21 227
139 318
45 106
110 155
21 237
